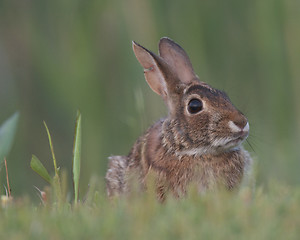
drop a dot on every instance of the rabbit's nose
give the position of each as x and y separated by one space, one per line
239 124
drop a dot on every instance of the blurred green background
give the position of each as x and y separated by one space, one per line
60 55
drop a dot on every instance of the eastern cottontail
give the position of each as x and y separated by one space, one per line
198 142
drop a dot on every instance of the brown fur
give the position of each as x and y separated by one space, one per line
184 148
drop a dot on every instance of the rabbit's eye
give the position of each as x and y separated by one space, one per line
195 106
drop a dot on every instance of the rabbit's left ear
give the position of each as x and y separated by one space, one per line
152 71
158 73
178 60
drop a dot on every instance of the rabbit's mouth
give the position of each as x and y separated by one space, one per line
230 142
236 140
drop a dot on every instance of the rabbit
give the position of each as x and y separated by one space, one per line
199 142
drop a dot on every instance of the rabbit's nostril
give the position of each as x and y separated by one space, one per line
241 123
239 120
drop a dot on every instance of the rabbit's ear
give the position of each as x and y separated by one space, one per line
155 69
177 58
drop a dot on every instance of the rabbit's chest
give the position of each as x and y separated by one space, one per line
205 172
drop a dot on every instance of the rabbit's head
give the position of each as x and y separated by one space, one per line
201 119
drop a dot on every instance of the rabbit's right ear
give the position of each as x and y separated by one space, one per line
155 69
177 58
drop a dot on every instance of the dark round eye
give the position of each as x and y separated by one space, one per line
195 106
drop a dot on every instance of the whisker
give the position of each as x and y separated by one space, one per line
250 145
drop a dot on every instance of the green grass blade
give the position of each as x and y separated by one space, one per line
52 151
77 155
56 179
39 168
7 134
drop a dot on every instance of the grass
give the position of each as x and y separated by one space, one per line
272 213
263 213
